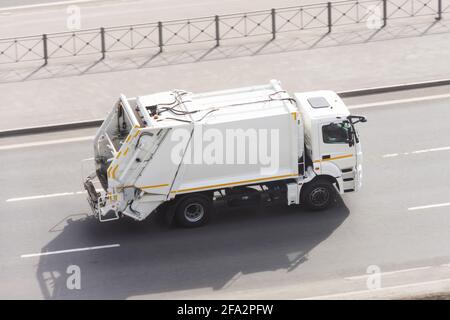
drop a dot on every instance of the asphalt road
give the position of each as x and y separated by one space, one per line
276 252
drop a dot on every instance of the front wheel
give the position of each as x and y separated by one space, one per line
318 195
193 211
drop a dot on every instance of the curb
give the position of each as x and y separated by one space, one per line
343 94
51 128
433 290
394 88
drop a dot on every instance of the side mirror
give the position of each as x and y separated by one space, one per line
356 119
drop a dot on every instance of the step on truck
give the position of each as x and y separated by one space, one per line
178 152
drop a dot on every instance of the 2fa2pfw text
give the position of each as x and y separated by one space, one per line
226 309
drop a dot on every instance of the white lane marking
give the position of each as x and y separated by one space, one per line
69 2
375 291
388 273
31 255
432 150
398 101
438 205
390 155
46 4
53 195
44 143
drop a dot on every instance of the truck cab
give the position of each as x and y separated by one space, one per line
332 146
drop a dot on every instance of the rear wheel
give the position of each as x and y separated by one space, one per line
193 211
318 195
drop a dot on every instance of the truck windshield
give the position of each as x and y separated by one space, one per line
336 132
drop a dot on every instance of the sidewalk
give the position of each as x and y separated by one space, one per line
348 58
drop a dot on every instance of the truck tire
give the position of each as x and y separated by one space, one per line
318 195
193 211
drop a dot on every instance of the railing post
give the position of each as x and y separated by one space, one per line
384 13
330 23
439 10
103 44
44 42
274 26
216 20
160 36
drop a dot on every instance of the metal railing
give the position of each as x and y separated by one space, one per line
214 29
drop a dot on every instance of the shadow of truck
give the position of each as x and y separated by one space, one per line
153 259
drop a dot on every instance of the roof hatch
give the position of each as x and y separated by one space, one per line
318 102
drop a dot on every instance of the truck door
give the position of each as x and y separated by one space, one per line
338 151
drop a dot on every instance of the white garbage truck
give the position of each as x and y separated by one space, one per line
178 152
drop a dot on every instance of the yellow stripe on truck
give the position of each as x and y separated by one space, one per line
335 158
144 187
156 186
131 137
109 171
235 183
113 172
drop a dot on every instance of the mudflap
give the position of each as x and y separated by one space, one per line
167 212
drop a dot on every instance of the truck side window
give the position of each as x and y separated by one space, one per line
335 133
